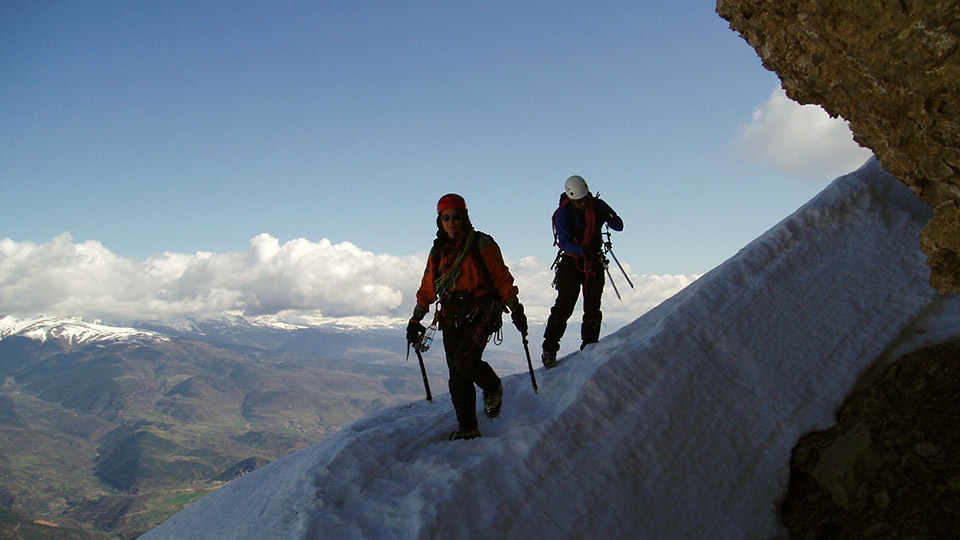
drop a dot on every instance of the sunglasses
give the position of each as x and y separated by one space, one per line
448 217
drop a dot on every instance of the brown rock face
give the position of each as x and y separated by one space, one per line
891 68
890 468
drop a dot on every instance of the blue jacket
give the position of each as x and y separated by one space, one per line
570 223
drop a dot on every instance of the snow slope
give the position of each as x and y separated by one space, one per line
678 426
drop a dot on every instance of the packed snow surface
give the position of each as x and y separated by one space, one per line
680 425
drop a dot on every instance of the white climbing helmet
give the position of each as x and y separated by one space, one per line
576 187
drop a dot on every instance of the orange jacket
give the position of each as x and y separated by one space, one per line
472 278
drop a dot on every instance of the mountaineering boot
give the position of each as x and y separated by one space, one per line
492 402
549 359
465 434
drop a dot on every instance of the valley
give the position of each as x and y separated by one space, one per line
106 438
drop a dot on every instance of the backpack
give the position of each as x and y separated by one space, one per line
592 221
564 201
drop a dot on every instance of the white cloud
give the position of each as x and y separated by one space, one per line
801 140
299 278
87 279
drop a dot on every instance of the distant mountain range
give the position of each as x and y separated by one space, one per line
78 330
108 429
73 331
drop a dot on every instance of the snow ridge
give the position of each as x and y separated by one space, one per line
680 425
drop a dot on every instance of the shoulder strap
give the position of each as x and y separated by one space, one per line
448 278
483 238
564 201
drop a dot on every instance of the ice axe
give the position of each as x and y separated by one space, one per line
526 349
419 346
608 248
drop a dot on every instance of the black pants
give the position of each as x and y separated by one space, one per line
466 369
573 274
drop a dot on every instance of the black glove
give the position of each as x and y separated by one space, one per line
415 331
519 319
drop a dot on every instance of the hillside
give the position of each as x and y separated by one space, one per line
112 430
681 425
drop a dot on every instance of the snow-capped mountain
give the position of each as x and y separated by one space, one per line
232 321
73 331
680 425
79 331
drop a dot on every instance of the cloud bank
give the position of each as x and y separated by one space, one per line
299 278
801 140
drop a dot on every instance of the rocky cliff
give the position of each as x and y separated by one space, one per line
890 468
891 68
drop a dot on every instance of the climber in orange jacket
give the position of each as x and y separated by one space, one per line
465 272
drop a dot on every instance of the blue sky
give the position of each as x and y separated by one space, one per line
180 128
